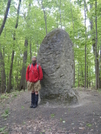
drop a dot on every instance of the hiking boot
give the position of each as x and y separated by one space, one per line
36 101
32 99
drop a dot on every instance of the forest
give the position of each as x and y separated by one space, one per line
25 23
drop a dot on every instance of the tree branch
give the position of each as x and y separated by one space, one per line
5 16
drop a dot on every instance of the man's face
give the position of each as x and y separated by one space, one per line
33 60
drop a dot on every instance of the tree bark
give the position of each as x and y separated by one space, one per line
30 51
73 39
94 44
12 57
96 55
82 76
5 16
45 17
87 77
85 41
78 75
100 67
2 71
23 72
57 21
60 14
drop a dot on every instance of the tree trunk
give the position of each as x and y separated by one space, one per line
95 51
12 58
73 39
10 73
60 14
96 55
82 76
23 72
87 77
5 16
57 15
85 40
2 71
57 21
100 67
45 17
30 51
16 77
78 75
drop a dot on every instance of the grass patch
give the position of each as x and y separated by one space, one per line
52 115
4 96
3 131
88 125
15 93
5 114
22 107
24 122
99 90
60 119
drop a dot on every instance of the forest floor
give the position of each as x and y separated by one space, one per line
50 118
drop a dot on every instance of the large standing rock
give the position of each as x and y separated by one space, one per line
56 57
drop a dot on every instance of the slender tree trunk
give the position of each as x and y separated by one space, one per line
85 40
57 21
60 14
96 56
30 51
78 75
93 33
45 17
73 39
16 77
100 67
5 16
82 76
10 73
57 18
95 50
37 44
12 57
23 72
2 72
87 77
7 78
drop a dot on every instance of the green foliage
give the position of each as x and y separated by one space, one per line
52 115
31 25
22 107
2 130
88 125
5 114
4 96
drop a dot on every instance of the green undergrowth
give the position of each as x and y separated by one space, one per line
3 130
6 96
5 114
99 90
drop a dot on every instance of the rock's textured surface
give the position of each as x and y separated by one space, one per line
56 57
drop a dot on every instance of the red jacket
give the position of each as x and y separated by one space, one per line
33 74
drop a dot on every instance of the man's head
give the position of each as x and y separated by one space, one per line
34 60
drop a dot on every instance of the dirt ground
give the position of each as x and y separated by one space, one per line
51 117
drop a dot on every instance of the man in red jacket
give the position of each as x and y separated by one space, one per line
33 76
